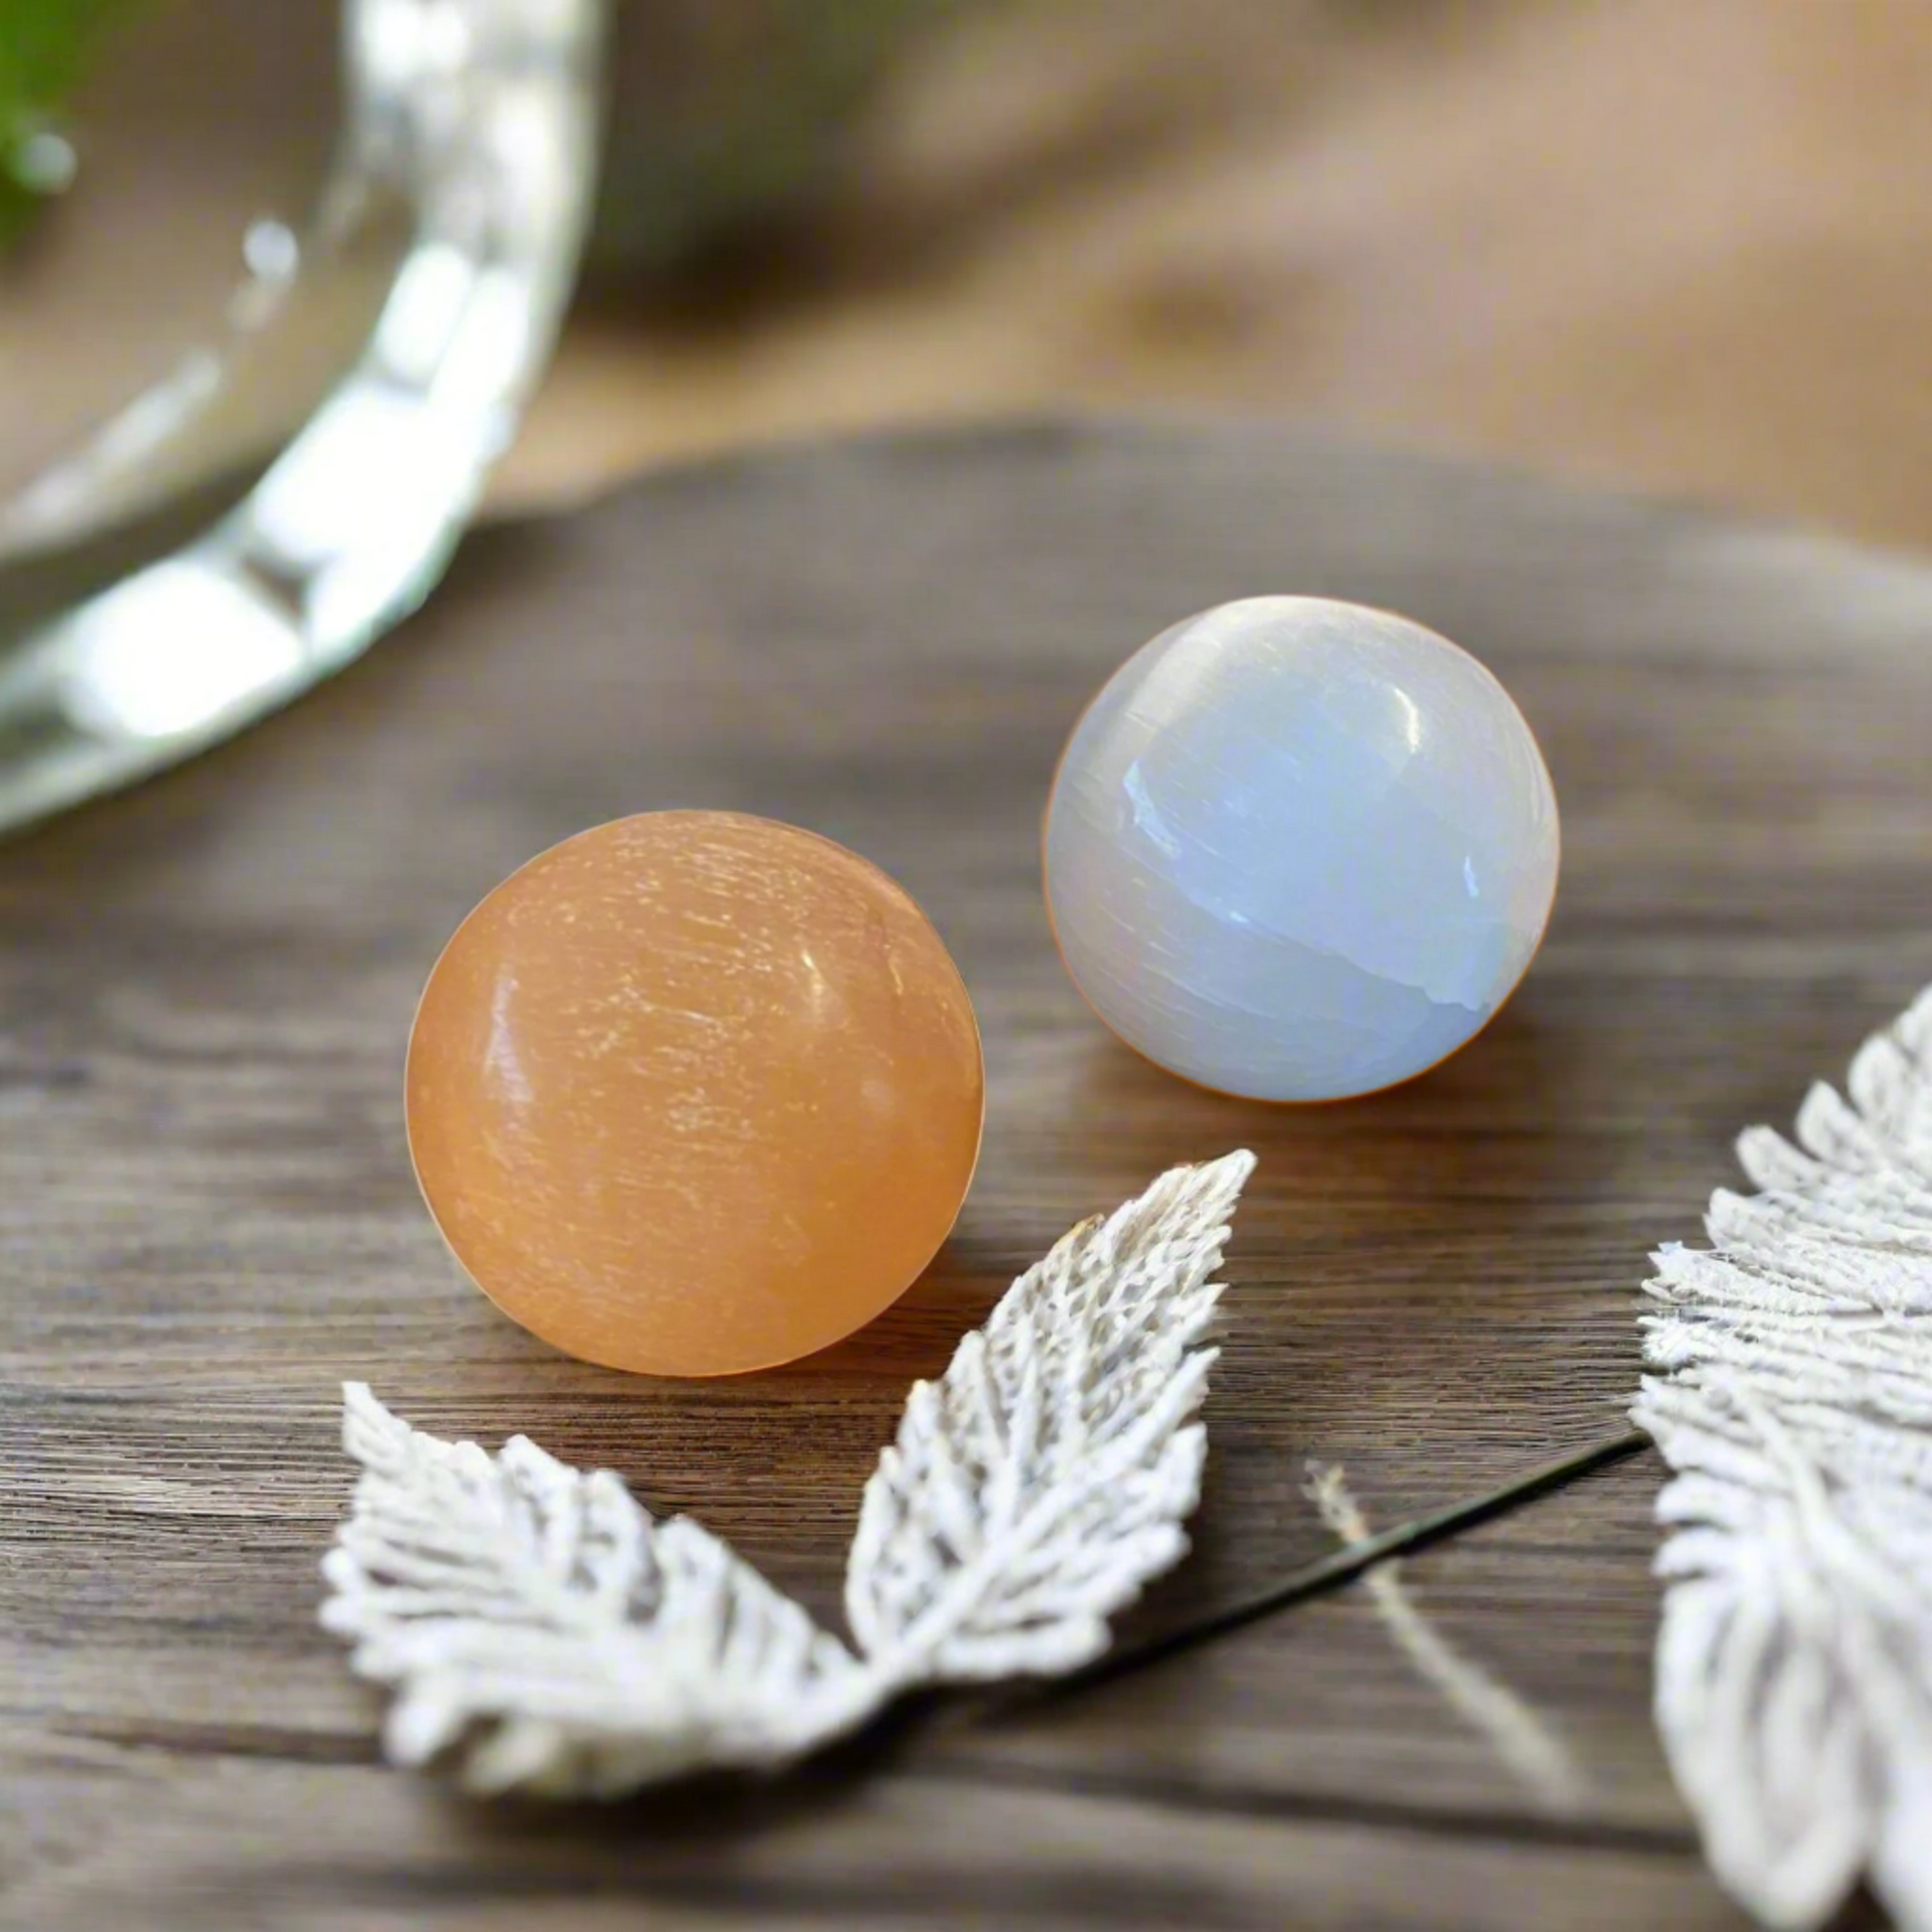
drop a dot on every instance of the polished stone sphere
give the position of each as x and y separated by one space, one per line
1299 849
695 1093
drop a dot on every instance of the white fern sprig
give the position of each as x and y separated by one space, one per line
543 1617
1792 1395
1043 1479
537 1622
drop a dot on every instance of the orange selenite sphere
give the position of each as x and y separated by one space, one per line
695 1093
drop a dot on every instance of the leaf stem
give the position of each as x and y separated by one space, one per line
1343 1566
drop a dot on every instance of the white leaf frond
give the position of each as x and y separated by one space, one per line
538 1620
1792 1394
536 1624
1043 1480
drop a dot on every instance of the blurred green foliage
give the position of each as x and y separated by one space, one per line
44 50
731 114
725 112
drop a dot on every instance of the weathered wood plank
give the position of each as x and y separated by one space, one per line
208 1220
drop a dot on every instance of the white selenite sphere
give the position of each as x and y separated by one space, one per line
1299 849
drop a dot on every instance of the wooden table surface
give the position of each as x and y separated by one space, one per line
206 1217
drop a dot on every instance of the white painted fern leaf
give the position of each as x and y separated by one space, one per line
537 1622
1792 1395
1044 1477
542 1619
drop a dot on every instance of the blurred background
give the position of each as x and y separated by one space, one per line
1680 246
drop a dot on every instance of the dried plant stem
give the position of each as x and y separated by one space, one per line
1534 1753
1344 1566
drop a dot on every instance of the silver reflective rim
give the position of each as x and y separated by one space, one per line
465 174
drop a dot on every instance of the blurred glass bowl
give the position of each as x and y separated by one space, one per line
378 348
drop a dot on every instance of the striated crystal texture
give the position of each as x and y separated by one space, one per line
695 1093
1299 849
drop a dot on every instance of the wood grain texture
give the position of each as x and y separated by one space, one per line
208 1219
